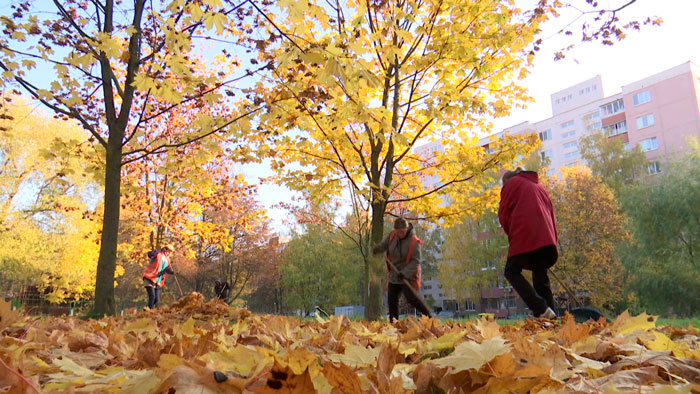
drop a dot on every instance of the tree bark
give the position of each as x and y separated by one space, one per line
374 307
107 262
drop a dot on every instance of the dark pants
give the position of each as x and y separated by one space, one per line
538 296
153 295
395 291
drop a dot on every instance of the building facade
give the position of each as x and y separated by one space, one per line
658 113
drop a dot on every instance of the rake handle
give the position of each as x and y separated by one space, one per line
408 284
568 290
178 285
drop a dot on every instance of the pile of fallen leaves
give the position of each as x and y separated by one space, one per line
197 347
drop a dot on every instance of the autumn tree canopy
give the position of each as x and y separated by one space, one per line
611 160
49 226
114 69
366 83
473 257
591 225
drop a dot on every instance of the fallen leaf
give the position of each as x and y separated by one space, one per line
472 355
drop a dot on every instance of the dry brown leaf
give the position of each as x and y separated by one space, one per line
571 332
342 378
632 379
282 380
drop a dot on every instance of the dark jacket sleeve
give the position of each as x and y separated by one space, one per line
382 247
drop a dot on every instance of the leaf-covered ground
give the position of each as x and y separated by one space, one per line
194 346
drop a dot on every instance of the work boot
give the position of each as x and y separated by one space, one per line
548 313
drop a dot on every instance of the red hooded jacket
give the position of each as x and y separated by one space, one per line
526 214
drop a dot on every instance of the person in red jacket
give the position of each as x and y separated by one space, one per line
527 217
154 274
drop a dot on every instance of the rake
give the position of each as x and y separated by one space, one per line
581 313
414 291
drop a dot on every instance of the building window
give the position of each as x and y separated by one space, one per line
594 126
649 144
626 146
570 145
642 97
571 154
654 167
645 121
615 128
612 108
564 125
545 135
568 134
546 154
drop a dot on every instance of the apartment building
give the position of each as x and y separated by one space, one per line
658 113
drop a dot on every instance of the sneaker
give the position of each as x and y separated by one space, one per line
548 313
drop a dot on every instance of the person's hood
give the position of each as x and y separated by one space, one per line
531 176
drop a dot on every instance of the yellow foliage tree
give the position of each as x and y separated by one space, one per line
363 84
114 69
473 255
50 230
591 225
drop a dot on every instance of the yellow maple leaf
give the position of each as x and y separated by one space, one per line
662 342
7 316
446 341
243 360
356 356
625 323
473 355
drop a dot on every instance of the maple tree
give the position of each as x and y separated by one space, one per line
248 254
192 198
664 216
590 226
193 346
266 294
368 82
48 220
611 160
105 65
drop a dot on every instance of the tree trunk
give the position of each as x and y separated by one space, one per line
374 307
106 265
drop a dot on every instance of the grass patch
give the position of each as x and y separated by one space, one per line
679 322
